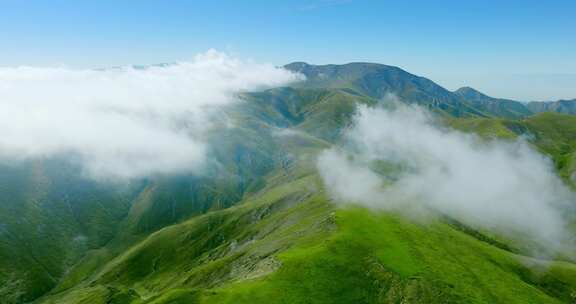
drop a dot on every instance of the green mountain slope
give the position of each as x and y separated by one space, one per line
553 134
496 106
257 226
49 217
288 244
378 81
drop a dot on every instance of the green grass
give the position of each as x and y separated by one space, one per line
216 248
287 243
377 258
258 227
487 128
553 134
49 217
321 255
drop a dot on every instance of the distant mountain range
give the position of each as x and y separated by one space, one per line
377 80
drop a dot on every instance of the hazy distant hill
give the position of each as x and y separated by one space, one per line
499 107
560 106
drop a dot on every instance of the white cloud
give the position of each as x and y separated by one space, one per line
123 122
503 186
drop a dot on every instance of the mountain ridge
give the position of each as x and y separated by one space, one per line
362 74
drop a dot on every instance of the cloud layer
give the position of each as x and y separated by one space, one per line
127 121
505 187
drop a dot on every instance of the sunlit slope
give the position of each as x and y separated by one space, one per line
290 244
553 134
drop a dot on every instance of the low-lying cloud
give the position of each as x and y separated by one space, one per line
123 122
506 187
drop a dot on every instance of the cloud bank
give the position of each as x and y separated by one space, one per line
501 186
123 122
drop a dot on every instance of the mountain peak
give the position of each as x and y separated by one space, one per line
337 75
471 93
467 89
296 66
300 65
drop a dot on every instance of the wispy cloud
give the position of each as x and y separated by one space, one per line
123 122
501 186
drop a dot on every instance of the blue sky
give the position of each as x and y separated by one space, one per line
514 49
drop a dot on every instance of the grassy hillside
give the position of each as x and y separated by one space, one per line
553 134
289 244
49 217
257 226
